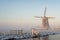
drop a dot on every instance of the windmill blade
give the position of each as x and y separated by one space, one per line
51 17
38 16
45 12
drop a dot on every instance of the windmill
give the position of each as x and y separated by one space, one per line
45 23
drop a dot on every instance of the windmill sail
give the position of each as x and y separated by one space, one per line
45 12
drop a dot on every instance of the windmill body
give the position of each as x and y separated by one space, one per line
45 23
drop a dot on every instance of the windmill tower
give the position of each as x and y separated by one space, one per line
45 23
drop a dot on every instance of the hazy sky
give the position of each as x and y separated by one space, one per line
23 11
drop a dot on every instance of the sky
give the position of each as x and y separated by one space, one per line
22 12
